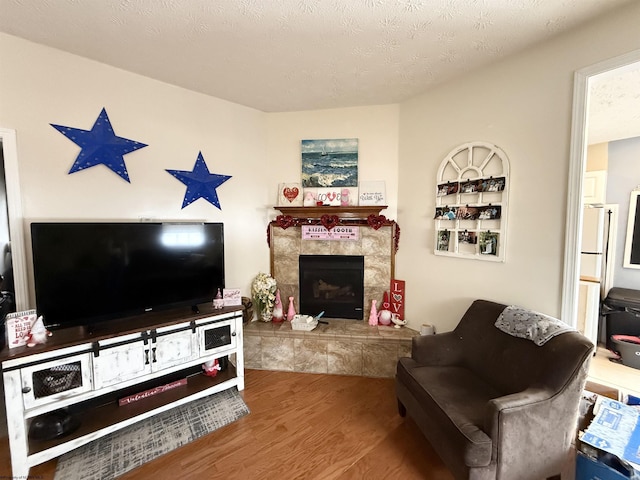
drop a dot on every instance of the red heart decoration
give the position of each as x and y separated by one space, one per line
376 221
329 221
285 221
291 193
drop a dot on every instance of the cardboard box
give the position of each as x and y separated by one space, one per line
590 469
615 430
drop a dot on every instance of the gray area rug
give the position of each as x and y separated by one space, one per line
119 452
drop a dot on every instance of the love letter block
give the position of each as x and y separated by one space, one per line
397 298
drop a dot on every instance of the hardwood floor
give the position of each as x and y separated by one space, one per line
301 426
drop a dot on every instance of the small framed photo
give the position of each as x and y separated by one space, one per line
489 243
448 188
443 240
467 237
493 184
446 213
468 213
471 186
490 212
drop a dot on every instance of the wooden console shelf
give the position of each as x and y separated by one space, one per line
105 416
87 372
341 212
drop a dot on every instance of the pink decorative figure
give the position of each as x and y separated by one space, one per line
292 310
344 197
211 368
218 302
38 333
278 312
384 317
373 316
385 301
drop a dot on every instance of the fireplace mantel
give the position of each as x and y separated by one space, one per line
360 212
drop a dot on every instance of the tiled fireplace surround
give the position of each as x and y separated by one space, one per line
349 347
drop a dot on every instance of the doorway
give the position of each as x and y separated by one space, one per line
13 239
577 167
583 80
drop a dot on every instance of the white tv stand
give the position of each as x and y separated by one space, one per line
87 373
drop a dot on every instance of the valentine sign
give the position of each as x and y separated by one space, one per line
397 298
289 195
332 196
340 232
18 327
231 296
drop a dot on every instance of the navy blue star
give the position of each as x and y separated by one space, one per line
200 183
100 145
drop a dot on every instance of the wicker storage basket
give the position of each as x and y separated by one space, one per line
300 322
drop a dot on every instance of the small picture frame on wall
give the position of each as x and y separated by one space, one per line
446 213
632 242
489 243
493 184
448 188
467 237
490 212
330 162
443 240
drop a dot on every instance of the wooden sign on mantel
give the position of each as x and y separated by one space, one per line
339 232
397 297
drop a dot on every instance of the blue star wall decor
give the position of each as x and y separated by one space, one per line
100 145
200 183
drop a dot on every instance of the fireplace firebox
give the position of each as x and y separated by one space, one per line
333 284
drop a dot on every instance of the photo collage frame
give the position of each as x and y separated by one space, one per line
471 202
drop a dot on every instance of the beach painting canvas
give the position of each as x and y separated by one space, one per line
330 163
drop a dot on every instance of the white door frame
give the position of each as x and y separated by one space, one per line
577 163
16 220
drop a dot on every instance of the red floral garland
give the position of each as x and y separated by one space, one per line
330 221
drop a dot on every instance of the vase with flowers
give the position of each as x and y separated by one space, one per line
263 291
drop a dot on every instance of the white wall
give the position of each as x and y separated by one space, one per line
523 105
376 129
40 85
623 177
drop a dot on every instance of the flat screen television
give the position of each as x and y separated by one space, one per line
86 273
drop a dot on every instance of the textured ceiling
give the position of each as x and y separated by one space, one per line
289 55
614 105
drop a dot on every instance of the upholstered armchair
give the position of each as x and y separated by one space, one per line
494 405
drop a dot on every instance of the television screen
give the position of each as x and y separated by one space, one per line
91 272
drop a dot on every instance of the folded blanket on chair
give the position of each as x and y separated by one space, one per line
537 327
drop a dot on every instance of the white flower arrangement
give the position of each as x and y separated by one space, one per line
263 291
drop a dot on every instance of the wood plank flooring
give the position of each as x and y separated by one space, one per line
301 426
